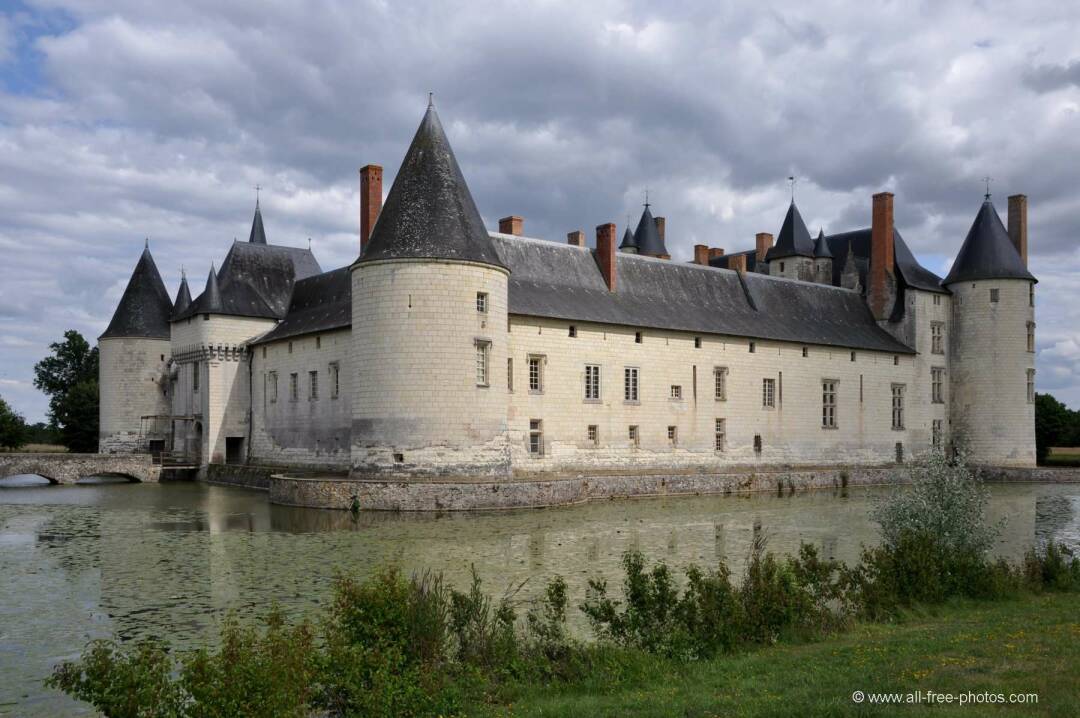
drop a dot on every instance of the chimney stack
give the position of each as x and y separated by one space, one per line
1018 224
715 252
576 238
764 244
370 201
738 263
701 254
512 225
660 222
605 253
881 254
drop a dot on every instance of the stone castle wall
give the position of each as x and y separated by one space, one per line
130 374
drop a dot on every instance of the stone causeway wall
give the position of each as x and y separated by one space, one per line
69 468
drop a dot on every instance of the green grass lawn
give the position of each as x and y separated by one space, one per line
1027 645
1063 457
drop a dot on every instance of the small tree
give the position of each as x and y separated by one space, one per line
70 377
13 431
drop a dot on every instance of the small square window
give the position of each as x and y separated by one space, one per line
482 302
206 317
592 435
573 331
995 296
673 435
635 438
697 342
676 391
637 337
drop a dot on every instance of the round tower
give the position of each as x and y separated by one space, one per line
132 354
429 328
991 347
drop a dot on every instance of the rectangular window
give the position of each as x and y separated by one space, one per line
673 435
536 437
313 385
195 377
290 347
805 352
630 383
536 374
510 373
481 302
318 342
753 347
676 391
935 433
852 356
637 337
937 300
263 354
635 437
720 383
592 435
937 382
592 382
757 443
1031 337
899 452
294 386
995 296
483 351
896 360
1031 386
720 435
1031 295
937 338
898 406
768 393
335 379
272 387
697 342
573 331
828 403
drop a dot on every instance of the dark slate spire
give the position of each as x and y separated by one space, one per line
647 237
258 234
209 302
987 252
628 241
821 247
144 309
429 212
794 238
183 297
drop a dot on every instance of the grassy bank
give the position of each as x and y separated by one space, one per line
1059 456
1025 645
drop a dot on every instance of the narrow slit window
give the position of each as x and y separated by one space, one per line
720 435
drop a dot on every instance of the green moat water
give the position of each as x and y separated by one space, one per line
169 560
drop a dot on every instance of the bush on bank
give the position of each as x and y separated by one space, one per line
397 646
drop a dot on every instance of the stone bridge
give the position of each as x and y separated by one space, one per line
68 468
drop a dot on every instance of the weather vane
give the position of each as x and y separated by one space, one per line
792 179
646 197
987 179
257 188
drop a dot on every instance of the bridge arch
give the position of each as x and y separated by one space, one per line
69 468
6 475
130 478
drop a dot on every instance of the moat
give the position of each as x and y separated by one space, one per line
169 560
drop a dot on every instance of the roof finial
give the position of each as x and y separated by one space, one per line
430 100
146 243
257 188
793 180
183 272
646 198
987 179
309 244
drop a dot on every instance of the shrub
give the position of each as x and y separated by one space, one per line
1055 569
484 631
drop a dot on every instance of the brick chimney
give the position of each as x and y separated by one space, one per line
660 222
715 252
1018 224
370 201
764 244
701 254
576 238
605 253
512 225
881 255
737 262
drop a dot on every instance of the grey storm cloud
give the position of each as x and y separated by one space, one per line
157 119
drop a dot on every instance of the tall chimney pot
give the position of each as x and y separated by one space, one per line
764 244
512 225
715 252
1018 232
660 226
881 254
370 201
701 254
605 253
738 263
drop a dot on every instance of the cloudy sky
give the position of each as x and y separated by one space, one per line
123 119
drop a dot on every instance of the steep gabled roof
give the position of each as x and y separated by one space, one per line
429 213
987 252
209 302
628 241
821 247
145 307
183 298
258 234
794 238
647 236
320 303
858 241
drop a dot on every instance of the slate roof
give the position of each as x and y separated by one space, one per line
319 303
628 241
256 280
910 272
258 234
429 212
794 238
987 252
559 281
183 298
144 308
647 236
821 247
722 260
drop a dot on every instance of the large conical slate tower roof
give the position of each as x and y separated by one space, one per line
429 213
794 238
647 237
258 234
628 241
145 307
987 252
183 297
